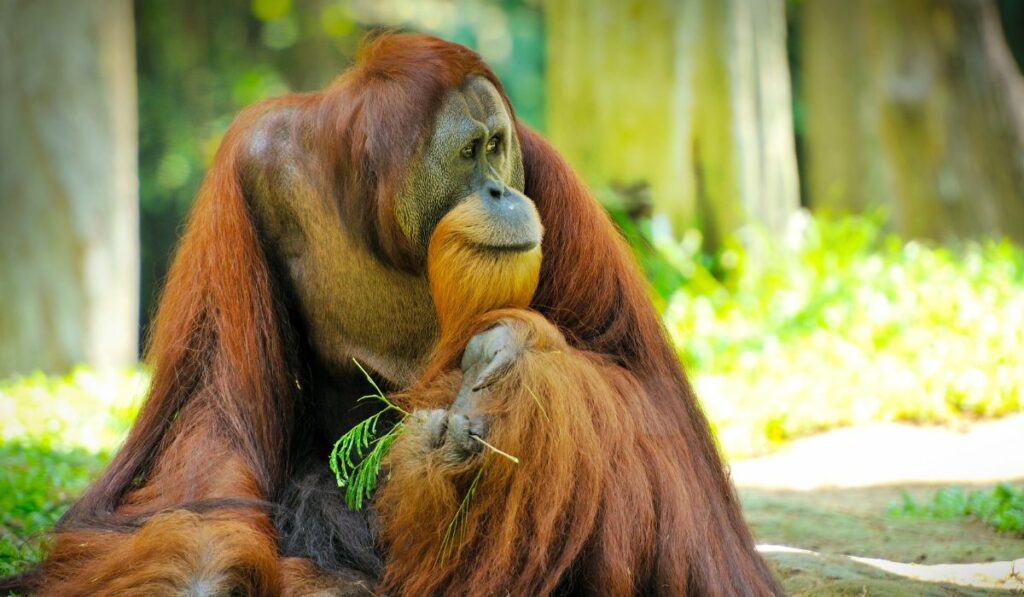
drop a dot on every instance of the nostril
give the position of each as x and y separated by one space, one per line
494 190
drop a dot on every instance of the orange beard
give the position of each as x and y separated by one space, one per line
467 280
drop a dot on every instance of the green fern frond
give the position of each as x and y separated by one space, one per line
364 476
356 456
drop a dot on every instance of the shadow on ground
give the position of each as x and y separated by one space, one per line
822 574
855 522
831 494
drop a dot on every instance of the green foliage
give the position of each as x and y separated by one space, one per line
356 456
37 484
56 435
1001 507
840 323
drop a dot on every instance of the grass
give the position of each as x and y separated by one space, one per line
37 484
1001 507
56 434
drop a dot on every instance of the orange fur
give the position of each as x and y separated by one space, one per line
301 578
583 481
173 553
209 432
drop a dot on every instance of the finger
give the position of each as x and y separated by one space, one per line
434 423
499 365
482 347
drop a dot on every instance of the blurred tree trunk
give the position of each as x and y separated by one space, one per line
69 244
917 105
690 97
844 169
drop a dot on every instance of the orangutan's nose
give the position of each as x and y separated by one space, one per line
494 189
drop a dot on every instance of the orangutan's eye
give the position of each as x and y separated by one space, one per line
494 144
469 152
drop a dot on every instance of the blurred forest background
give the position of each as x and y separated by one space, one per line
827 195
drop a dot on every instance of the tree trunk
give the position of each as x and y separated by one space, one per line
691 98
844 169
917 105
69 244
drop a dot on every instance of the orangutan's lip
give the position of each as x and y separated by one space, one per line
516 248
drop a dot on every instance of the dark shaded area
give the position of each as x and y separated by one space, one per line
1011 12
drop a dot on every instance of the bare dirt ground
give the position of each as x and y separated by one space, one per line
827 496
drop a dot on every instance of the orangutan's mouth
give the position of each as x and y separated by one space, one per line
511 248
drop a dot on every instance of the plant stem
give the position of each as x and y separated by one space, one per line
379 395
495 450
